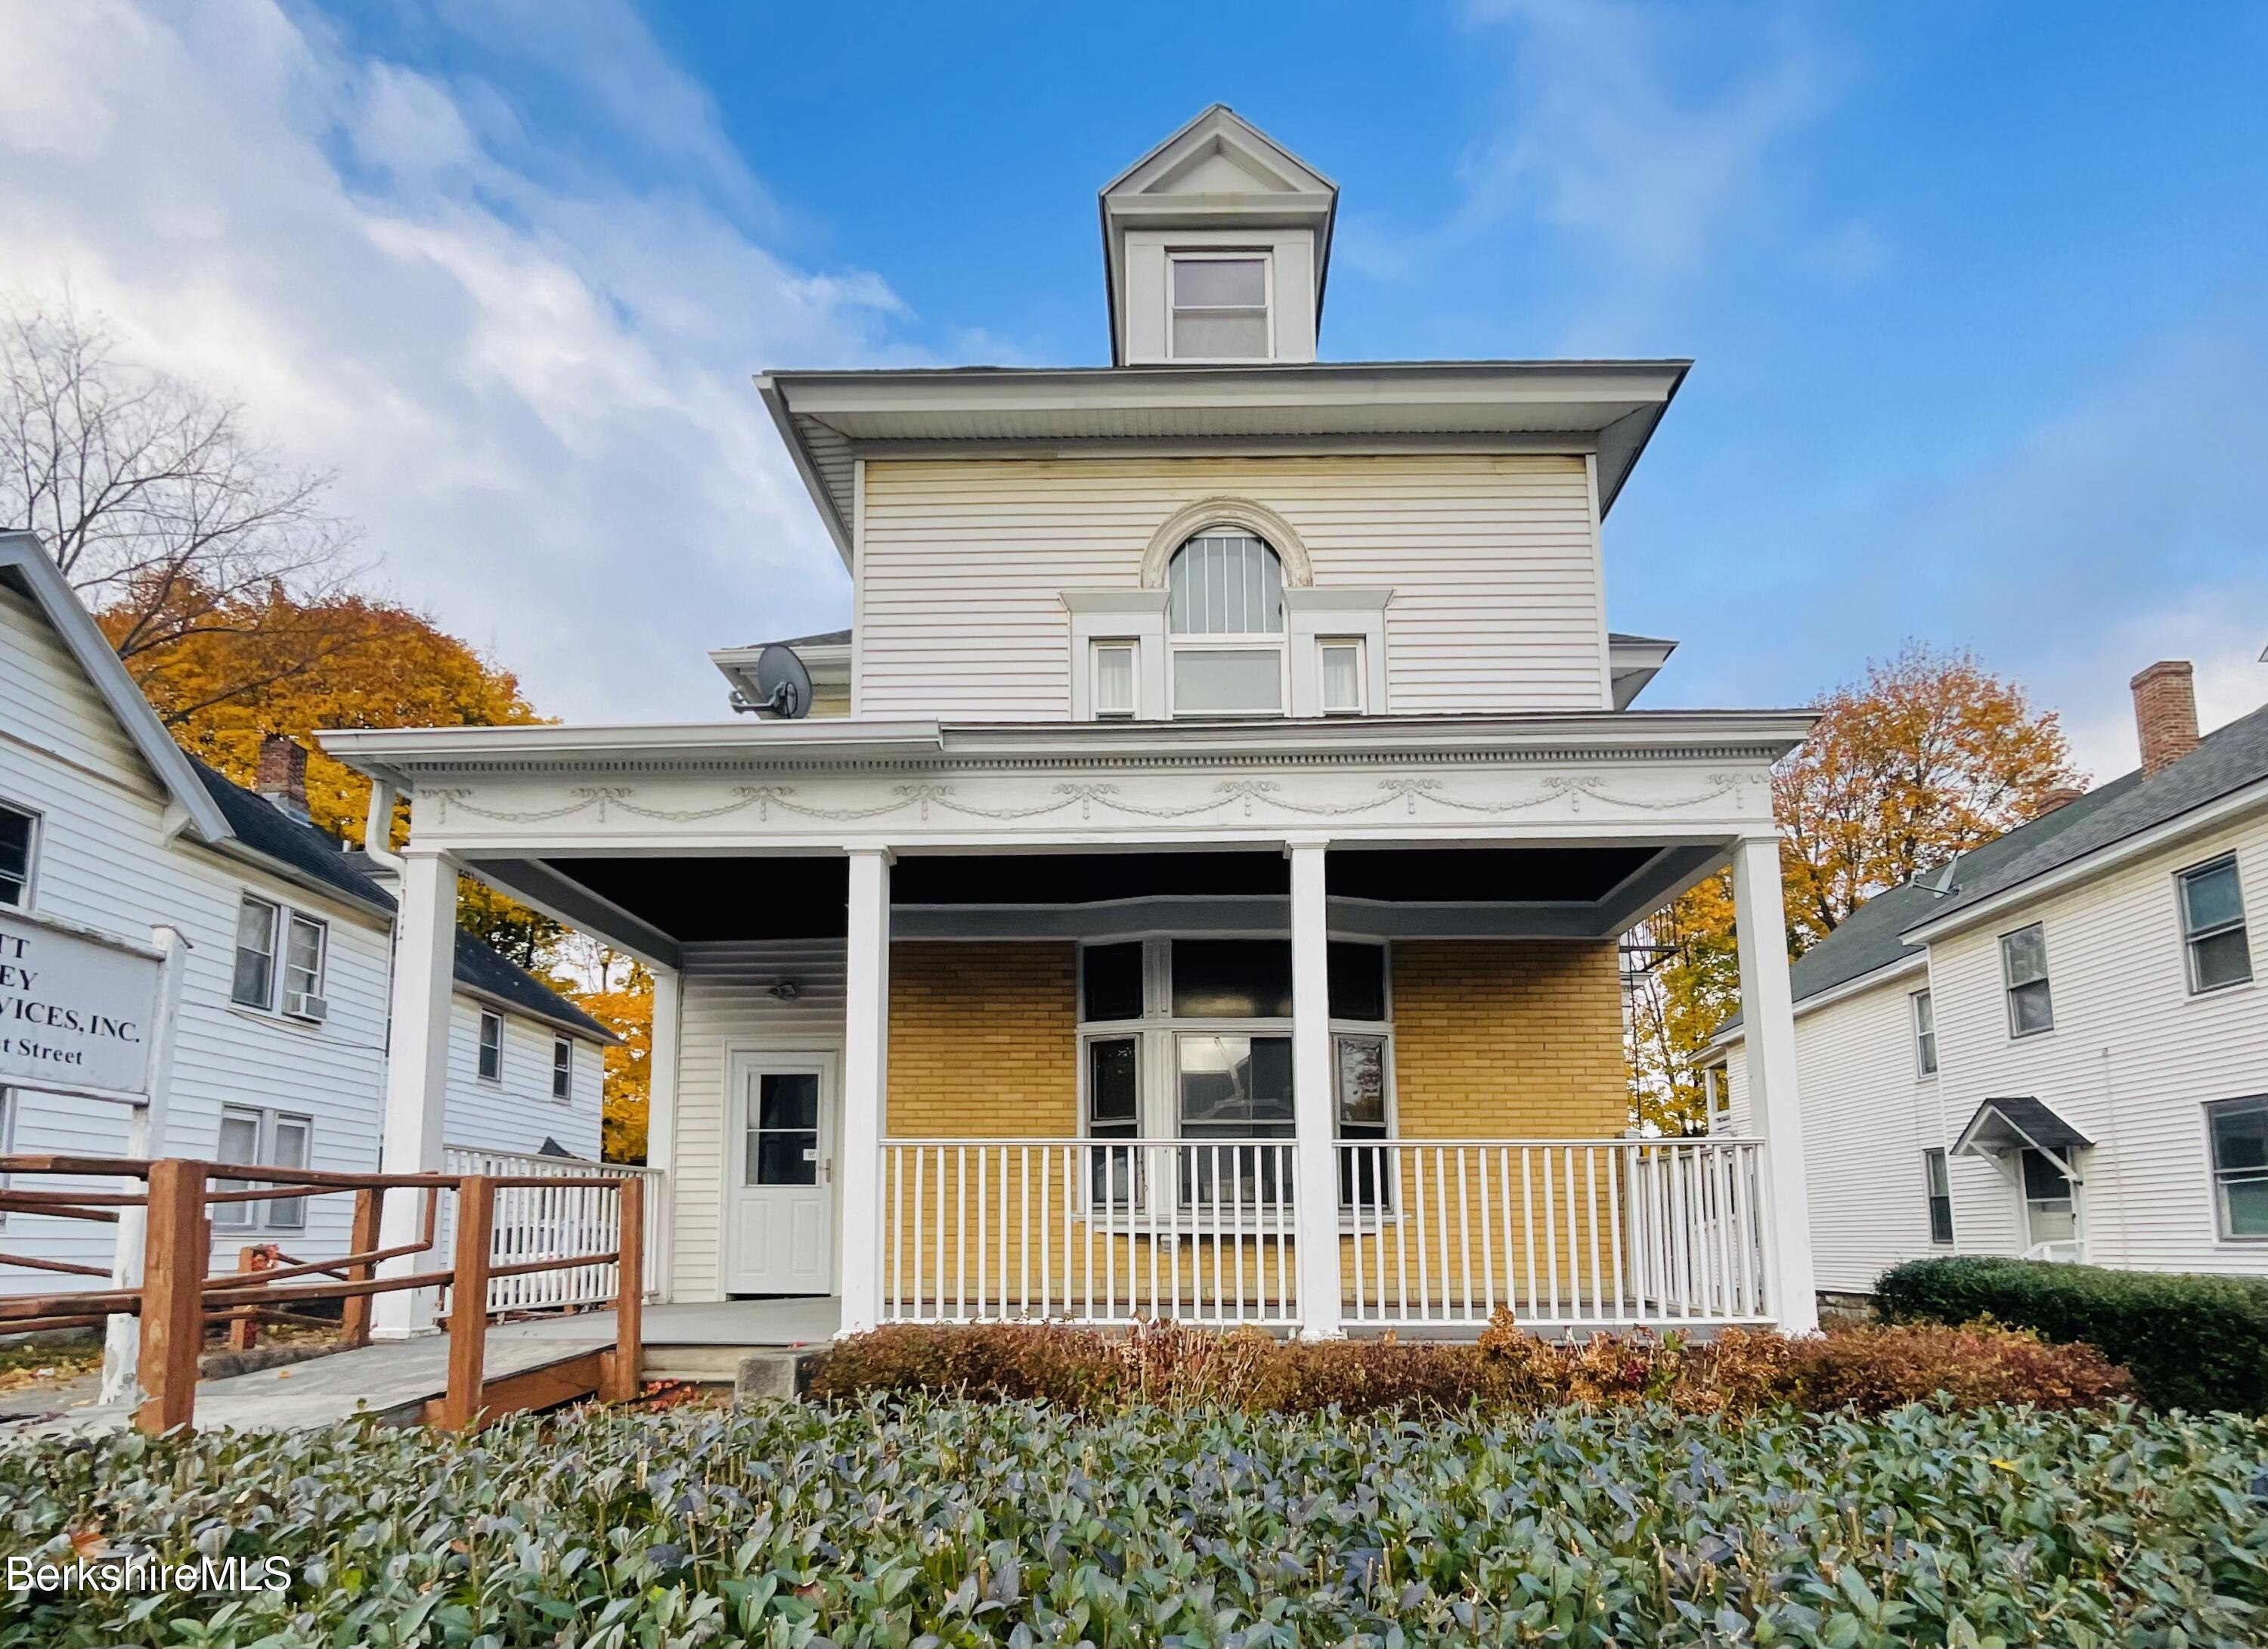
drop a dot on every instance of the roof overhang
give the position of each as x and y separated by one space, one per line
830 664
1633 661
25 566
400 756
2017 1124
830 420
1890 972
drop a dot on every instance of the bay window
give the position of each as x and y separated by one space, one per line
1189 1040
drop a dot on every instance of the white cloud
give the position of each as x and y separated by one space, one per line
532 376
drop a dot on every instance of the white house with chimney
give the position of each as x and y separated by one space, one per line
1190 885
190 968
2056 1046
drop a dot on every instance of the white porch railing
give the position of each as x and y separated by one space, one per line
1568 1233
1088 1231
543 1222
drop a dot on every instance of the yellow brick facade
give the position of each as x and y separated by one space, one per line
1501 1039
984 1039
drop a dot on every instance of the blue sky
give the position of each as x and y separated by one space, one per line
1978 294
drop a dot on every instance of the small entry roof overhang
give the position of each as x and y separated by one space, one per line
2014 1124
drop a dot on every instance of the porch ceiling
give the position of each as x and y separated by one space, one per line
1574 892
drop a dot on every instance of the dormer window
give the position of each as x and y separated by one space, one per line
1226 617
1220 303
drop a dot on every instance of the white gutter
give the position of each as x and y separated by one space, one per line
1887 974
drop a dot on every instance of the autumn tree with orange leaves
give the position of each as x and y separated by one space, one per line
1926 756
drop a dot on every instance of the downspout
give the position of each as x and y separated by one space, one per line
377 827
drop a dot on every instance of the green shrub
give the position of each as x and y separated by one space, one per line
1871 1370
2192 1342
1020 1523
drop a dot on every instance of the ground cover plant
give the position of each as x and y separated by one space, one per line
955 1522
2191 1341
1871 1369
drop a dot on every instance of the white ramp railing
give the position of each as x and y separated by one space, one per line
1568 1233
548 1222
1088 1231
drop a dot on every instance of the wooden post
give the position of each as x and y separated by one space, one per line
622 1383
172 1289
244 1326
354 1312
469 1301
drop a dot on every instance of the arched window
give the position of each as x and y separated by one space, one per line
1226 611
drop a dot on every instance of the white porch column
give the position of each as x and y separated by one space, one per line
1315 1109
661 1120
1768 1021
417 1076
866 1081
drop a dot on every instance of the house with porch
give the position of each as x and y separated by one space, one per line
1194 891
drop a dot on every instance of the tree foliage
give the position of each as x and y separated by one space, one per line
1927 756
160 507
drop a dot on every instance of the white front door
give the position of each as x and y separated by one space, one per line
780 1175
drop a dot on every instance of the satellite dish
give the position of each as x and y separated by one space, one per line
782 685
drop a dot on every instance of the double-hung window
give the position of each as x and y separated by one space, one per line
1219 302
1114 694
253 1135
257 922
1924 1030
562 1068
1340 674
1225 614
305 942
2240 1165
19 835
1940 1195
490 1060
2024 972
2213 925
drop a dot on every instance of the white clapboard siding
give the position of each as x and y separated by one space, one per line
516 1112
727 1006
105 861
1492 560
1868 1117
2132 1062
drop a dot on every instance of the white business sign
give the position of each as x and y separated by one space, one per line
76 1013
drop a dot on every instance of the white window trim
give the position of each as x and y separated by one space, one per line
1925 1069
1222 254
292 920
1338 613
558 1096
488 1017
264 1120
1112 615
1929 1197
2212 1172
275 952
2008 986
39 820
2241 924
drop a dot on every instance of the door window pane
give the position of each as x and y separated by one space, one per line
1233 979
2240 1166
1110 981
783 1143
2049 1213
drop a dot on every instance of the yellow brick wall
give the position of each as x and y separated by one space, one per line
1508 1039
984 1039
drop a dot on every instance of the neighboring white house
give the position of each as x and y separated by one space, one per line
2056 1046
121 859
1196 892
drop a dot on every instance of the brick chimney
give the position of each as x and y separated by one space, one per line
2165 713
283 775
2062 796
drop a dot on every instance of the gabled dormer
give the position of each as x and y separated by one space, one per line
1214 248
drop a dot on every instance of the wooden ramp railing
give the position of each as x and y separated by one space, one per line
176 1299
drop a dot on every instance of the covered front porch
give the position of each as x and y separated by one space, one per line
1323 1039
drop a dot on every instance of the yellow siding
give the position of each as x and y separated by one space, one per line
1503 1038
983 1040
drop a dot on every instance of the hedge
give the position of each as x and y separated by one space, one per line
956 1523
1870 1370
2191 1341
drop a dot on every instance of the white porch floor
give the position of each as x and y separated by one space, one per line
758 1324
